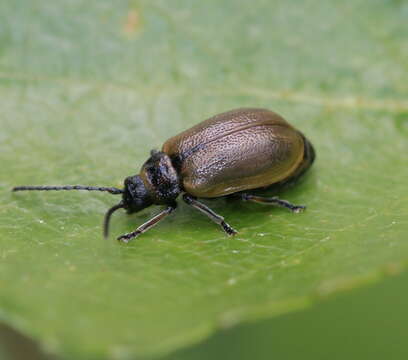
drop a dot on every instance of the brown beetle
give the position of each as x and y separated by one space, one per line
226 155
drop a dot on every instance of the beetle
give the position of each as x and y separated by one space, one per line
233 154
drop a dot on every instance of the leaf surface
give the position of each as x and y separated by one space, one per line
88 88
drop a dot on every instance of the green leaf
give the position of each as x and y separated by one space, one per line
88 88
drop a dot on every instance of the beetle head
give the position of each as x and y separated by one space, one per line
135 195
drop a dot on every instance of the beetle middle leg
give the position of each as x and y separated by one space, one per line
148 224
218 219
273 201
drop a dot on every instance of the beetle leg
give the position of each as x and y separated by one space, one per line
274 201
148 224
218 219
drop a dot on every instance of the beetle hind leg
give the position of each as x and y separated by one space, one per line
218 219
273 201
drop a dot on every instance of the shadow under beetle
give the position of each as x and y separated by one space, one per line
226 155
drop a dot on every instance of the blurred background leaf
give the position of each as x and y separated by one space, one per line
87 88
365 323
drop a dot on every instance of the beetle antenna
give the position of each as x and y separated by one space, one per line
111 190
108 216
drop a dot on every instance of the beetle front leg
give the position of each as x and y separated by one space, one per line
218 219
148 224
273 201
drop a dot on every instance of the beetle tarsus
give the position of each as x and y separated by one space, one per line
274 201
125 238
298 209
228 229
